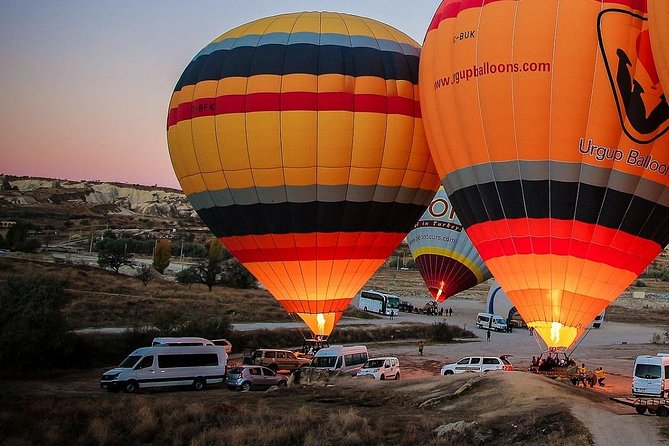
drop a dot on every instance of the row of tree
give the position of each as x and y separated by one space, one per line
217 268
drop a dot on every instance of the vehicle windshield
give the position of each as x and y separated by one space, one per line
324 361
373 364
648 371
129 362
393 302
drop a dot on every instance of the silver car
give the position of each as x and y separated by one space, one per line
249 377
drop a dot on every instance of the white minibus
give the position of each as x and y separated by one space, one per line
490 321
180 341
162 366
341 358
651 376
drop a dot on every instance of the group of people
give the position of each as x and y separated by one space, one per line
551 362
448 312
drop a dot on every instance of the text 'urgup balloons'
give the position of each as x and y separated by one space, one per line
444 254
658 26
550 135
298 139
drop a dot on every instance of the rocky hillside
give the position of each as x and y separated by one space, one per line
24 197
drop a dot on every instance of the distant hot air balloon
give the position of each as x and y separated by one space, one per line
551 139
658 25
444 254
298 140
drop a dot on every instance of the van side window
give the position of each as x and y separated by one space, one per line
270 354
463 361
339 362
146 362
476 360
490 361
666 372
195 360
254 371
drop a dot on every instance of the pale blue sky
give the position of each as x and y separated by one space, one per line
86 84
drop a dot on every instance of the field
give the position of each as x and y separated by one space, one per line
68 407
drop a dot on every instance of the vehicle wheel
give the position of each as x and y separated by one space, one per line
199 384
246 386
640 410
662 411
397 377
382 377
281 384
130 387
448 372
651 411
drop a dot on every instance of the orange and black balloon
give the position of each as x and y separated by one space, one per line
549 129
299 141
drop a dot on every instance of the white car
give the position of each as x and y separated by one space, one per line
478 364
381 368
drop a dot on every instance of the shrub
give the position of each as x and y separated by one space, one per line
34 332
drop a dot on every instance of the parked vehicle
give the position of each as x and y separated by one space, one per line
162 366
651 376
276 359
341 358
478 364
405 307
227 345
378 302
491 322
180 341
250 377
387 367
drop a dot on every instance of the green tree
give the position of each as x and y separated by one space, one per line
235 275
114 255
34 332
16 234
208 271
187 276
162 255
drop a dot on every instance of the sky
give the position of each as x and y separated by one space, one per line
86 84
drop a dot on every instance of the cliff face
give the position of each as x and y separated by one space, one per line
100 198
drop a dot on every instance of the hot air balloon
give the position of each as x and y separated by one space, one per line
550 136
445 256
658 26
298 140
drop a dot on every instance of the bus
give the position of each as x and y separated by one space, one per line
378 302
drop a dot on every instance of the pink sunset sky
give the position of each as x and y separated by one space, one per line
86 85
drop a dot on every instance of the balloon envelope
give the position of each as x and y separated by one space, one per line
658 26
444 254
551 139
298 140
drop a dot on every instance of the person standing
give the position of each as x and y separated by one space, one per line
450 311
420 348
601 376
487 336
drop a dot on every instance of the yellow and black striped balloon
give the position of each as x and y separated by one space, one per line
298 139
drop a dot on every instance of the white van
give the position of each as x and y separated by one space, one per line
651 375
340 358
162 366
492 321
387 367
180 341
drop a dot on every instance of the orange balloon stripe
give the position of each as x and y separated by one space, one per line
315 306
313 246
560 237
539 276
